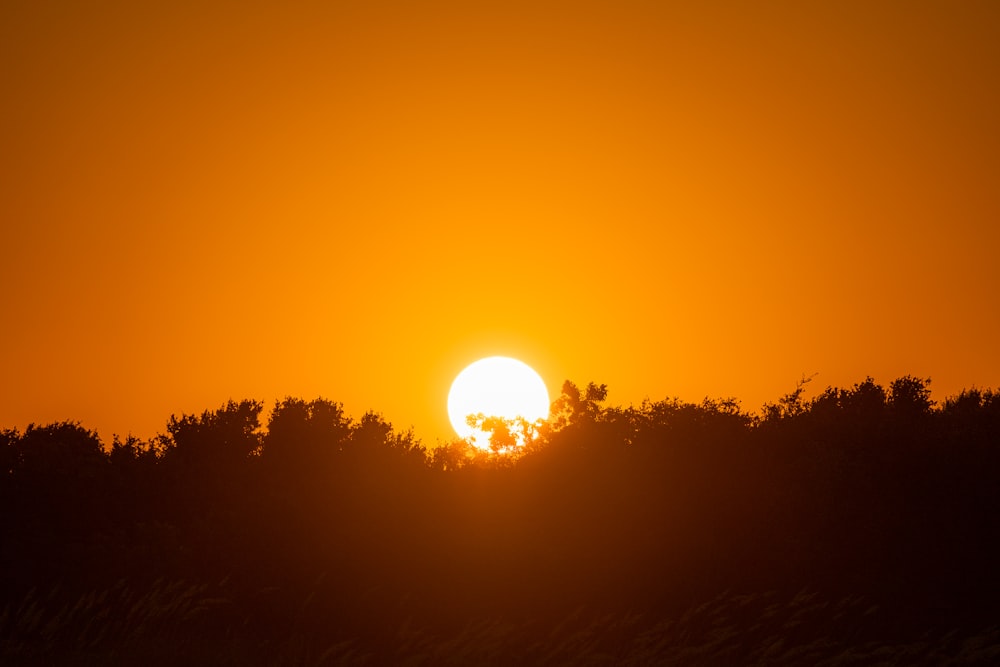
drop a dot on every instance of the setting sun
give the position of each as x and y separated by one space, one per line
495 387
511 333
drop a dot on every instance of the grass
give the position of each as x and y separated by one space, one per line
172 623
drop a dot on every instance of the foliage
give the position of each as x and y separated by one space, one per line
575 406
346 540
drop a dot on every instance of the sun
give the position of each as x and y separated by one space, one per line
496 387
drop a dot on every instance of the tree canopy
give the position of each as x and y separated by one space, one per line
861 490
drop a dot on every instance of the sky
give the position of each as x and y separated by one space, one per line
204 201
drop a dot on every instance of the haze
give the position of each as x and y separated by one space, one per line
355 201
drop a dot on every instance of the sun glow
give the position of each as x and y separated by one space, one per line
495 387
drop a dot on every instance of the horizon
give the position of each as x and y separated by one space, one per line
853 527
211 203
809 390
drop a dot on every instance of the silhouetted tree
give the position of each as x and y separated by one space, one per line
456 455
791 404
304 439
972 418
133 451
865 402
9 457
910 397
216 439
65 452
510 437
59 496
575 406
374 434
648 508
205 458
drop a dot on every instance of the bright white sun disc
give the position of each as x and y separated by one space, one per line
496 387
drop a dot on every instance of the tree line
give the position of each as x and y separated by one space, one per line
867 490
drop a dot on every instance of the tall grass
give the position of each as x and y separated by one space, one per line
171 623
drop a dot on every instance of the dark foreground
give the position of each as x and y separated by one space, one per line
859 527
176 624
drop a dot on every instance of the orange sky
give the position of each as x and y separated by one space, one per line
355 200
